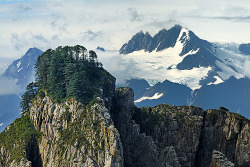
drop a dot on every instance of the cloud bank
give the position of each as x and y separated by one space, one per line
114 63
48 24
8 86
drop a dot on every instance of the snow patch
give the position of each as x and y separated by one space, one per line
20 69
227 71
218 81
184 30
18 64
192 52
156 96
156 67
233 60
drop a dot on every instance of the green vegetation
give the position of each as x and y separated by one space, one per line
67 72
82 130
18 137
146 118
150 118
27 97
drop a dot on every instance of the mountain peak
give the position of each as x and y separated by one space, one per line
138 42
100 48
33 50
178 26
22 69
141 32
162 40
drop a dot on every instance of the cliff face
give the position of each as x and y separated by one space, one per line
168 135
116 133
226 132
73 135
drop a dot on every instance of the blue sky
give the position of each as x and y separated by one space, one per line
111 23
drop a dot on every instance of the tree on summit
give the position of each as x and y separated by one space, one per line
92 55
66 72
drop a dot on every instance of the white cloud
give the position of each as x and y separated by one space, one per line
36 23
8 86
114 63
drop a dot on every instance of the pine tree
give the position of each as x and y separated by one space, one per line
56 79
42 69
67 72
31 91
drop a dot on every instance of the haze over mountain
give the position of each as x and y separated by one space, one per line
13 84
22 69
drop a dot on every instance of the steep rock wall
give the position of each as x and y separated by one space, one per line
167 135
74 135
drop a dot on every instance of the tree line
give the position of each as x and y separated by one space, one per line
66 72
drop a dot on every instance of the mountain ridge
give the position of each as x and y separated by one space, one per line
23 68
195 63
109 130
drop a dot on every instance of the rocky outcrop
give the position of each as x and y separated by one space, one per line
226 132
168 135
220 160
74 135
159 136
139 149
23 163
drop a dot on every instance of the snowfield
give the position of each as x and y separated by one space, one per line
158 66
156 96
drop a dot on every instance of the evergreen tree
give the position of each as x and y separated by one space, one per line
31 91
66 72
42 68
92 55
56 81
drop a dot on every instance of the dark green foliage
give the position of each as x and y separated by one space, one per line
56 80
92 55
42 68
19 136
68 72
31 91
147 117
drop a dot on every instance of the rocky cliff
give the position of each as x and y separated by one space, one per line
167 135
72 134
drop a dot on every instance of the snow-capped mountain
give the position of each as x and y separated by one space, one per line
23 69
183 69
179 56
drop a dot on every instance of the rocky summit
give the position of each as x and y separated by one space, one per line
110 131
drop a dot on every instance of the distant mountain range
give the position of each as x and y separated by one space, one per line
174 67
183 69
22 71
